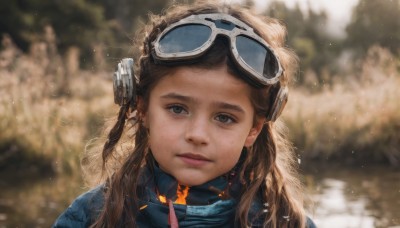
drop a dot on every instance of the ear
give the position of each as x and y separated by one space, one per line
254 132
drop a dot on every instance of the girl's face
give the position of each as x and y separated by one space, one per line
199 121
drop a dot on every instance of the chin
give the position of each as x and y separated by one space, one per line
190 182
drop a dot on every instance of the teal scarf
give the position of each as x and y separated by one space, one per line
212 204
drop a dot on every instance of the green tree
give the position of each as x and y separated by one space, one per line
292 18
307 35
81 23
123 21
76 22
375 22
14 21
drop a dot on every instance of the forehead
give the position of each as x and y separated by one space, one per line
205 84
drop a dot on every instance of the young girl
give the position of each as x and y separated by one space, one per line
201 110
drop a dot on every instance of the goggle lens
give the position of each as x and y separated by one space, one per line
257 56
186 38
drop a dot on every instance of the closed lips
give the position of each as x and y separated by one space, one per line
194 156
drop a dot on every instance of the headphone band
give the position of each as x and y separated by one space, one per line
124 83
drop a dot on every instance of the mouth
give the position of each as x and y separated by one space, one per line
194 159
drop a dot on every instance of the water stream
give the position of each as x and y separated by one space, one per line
354 197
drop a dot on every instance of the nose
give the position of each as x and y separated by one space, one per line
197 131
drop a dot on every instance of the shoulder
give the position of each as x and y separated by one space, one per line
310 223
257 215
83 210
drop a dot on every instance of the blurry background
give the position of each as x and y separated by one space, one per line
343 115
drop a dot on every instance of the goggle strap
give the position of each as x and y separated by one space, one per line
279 97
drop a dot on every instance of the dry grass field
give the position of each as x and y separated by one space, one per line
48 116
354 120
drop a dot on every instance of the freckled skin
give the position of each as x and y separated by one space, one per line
199 122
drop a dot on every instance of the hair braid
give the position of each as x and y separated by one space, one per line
115 134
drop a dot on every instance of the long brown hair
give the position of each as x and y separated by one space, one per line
269 168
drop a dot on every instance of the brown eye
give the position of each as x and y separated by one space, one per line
225 119
176 109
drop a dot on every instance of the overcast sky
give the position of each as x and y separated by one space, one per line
339 11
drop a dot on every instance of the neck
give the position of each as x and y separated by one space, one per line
223 187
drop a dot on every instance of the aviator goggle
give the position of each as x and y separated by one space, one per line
192 36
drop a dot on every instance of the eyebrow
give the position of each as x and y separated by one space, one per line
228 106
222 105
178 97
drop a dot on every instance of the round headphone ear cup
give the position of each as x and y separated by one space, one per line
124 83
280 98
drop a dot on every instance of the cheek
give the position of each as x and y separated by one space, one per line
228 158
162 134
238 139
232 146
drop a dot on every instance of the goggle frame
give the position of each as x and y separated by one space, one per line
210 20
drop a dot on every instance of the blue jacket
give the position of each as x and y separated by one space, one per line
85 209
210 209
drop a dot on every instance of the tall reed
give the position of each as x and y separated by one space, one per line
38 124
355 120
